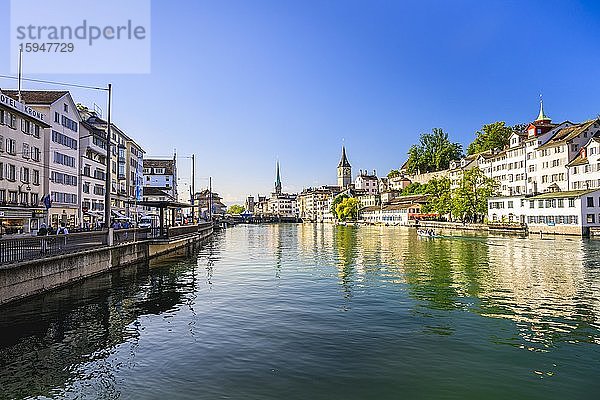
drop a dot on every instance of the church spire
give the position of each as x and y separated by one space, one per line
278 180
344 160
541 115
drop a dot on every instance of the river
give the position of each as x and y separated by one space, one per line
320 312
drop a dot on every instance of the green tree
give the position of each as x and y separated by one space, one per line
433 153
413 188
469 200
491 137
337 200
235 209
440 196
347 209
393 173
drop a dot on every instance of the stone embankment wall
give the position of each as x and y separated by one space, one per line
28 278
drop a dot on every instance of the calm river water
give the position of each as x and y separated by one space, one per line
320 312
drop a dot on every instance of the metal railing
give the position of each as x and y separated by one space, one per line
121 236
33 247
24 248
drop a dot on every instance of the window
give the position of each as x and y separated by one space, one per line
571 202
68 123
24 198
12 197
561 203
1 171
10 173
26 127
26 152
24 172
591 218
36 131
64 179
56 117
510 204
540 203
66 108
63 159
35 154
34 199
12 121
86 187
67 198
65 140
531 204
36 177
590 202
1 144
11 147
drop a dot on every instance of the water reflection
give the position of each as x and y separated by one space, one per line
548 288
50 341
295 304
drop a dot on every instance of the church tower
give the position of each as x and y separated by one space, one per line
278 181
344 171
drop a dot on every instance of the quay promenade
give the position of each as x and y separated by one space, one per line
31 265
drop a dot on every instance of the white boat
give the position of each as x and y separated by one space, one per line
430 233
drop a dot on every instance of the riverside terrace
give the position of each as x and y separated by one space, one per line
32 265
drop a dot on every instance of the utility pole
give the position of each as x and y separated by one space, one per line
20 73
108 163
193 187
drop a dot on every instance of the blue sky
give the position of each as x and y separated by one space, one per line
243 83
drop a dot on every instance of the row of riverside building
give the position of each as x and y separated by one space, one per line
548 181
53 155
375 195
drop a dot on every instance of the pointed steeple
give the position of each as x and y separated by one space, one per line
344 160
278 180
541 115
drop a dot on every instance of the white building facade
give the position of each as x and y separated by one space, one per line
367 182
61 156
575 212
92 153
22 145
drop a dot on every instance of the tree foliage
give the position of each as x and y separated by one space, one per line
235 209
469 200
413 188
347 209
337 200
433 153
440 197
393 173
491 137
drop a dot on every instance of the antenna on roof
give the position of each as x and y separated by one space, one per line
20 68
98 110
